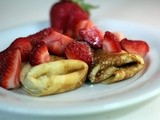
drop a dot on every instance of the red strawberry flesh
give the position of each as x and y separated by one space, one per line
56 42
139 47
10 67
65 15
24 45
75 17
79 50
92 35
39 54
81 25
39 36
111 43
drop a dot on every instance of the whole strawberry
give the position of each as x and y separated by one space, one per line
66 14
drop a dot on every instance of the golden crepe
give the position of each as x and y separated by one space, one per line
113 67
53 77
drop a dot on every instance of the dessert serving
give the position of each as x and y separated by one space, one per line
70 52
113 67
53 77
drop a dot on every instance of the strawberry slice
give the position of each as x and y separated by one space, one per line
119 35
81 25
111 43
10 67
139 47
56 42
24 45
79 50
39 36
92 35
39 54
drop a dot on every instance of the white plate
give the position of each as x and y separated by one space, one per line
89 101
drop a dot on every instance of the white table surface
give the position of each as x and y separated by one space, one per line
19 12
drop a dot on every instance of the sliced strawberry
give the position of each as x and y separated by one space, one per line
79 50
92 35
39 36
119 35
111 43
135 46
55 41
39 54
10 67
81 25
24 45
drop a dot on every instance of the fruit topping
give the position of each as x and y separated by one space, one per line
138 47
111 43
92 35
24 45
119 35
56 42
10 68
39 54
81 25
39 36
79 50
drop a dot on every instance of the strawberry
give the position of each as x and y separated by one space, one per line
10 67
39 36
75 18
84 6
56 42
110 43
92 35
139 47
119 35
24 45
79 50
81 25
64 16
39 54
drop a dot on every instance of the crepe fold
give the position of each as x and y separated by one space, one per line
53 77
113 67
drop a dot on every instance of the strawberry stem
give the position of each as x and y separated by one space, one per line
84 6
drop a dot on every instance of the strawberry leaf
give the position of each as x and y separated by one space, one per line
85 6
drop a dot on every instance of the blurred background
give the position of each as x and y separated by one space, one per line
19 12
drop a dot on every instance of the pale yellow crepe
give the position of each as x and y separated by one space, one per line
53 77
114 67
